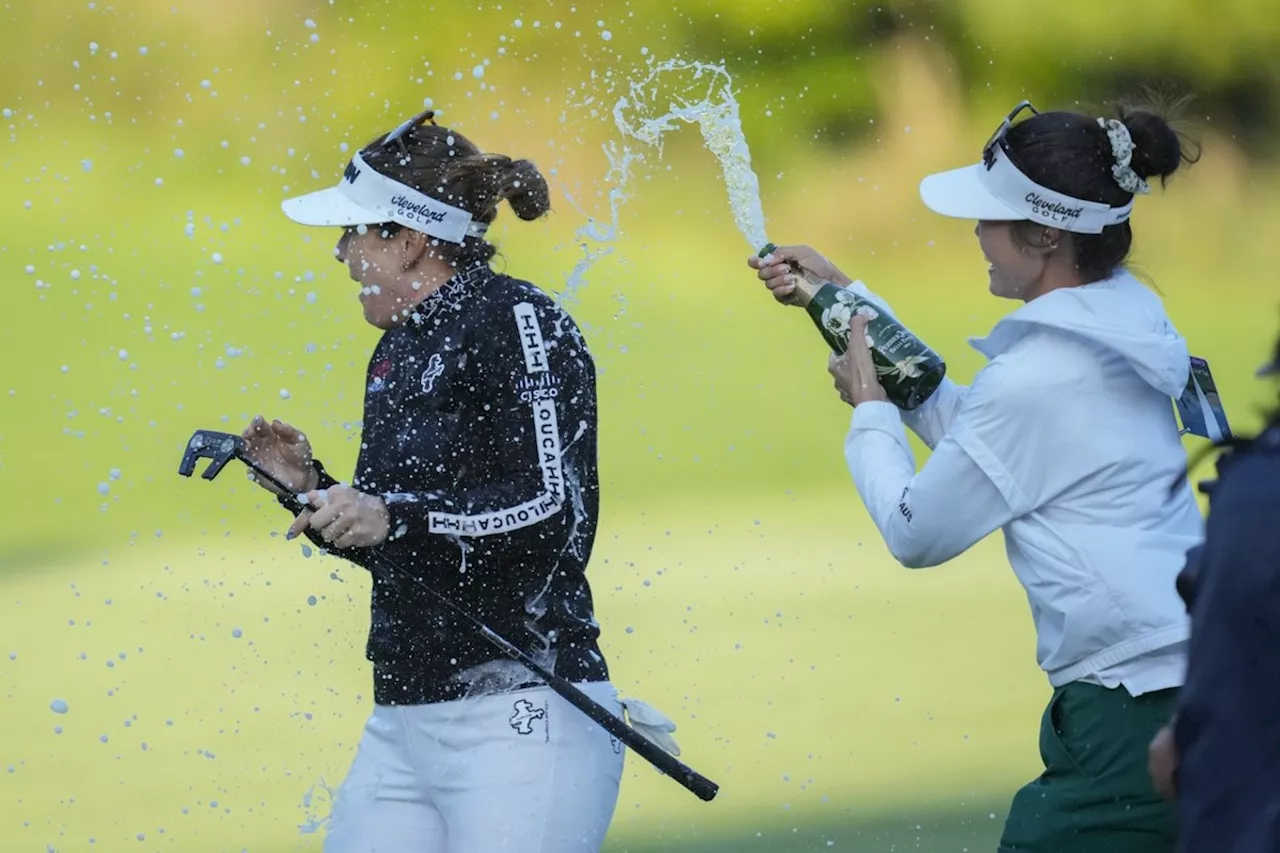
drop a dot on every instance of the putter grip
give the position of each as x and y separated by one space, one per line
699 785
702 787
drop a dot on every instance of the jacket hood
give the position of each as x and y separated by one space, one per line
1118 314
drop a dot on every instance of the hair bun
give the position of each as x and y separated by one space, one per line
1158 148
525 190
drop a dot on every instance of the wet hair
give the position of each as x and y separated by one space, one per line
447 166
1071 153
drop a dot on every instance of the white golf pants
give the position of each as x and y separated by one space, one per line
520 772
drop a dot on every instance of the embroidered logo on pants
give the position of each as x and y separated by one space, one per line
525 714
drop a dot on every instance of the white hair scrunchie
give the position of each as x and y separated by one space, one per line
1122 149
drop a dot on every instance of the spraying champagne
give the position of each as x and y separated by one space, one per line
909 371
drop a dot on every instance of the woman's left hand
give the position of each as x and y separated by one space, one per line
855 372
345 518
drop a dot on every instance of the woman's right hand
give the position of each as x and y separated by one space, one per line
777 270
283 452
1162 761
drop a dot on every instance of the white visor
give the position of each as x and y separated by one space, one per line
1004 193
367 197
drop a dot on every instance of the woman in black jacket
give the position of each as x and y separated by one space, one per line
477 472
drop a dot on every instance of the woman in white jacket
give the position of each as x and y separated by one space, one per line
1067 441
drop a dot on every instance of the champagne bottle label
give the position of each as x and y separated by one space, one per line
900 353
907 369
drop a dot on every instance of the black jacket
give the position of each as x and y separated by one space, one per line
480 435
1227 734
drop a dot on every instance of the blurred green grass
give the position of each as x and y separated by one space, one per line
956 829
820 685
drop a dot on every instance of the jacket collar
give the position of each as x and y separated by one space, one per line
452 295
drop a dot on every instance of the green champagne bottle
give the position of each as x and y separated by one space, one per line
908 370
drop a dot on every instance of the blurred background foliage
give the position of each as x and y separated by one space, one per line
151 286
378 53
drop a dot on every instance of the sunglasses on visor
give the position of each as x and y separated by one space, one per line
997 138
389 229
403 130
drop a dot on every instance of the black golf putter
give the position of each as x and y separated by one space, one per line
221 447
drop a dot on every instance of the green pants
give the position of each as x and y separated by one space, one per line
1095 795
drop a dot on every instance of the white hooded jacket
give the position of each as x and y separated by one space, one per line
1068 442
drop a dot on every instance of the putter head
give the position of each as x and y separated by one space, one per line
218 447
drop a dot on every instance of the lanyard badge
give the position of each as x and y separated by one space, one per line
1200 406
